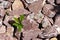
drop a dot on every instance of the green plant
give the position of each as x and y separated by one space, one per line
18 22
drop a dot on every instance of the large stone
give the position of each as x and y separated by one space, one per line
36 6
27 25
57 23
30 25
46 22
48 10
57 20
35 17
49 32
17 4
28 35
6 20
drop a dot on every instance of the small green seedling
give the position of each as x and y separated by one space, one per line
18 22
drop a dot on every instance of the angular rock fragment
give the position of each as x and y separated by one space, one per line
28 35
39 17
17 4
57 20
46 22
35 25
36 6
35 17
6 20
5 4
27 25
48 10
49 32
57 23
30 17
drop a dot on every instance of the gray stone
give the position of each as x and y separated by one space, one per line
6 4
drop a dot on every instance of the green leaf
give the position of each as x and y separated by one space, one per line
21 18
18 23
15 24
19 26
16 20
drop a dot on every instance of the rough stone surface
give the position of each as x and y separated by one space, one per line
17 4
36 6
2 29
46 22
41 19
30 34
5 4
48 10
